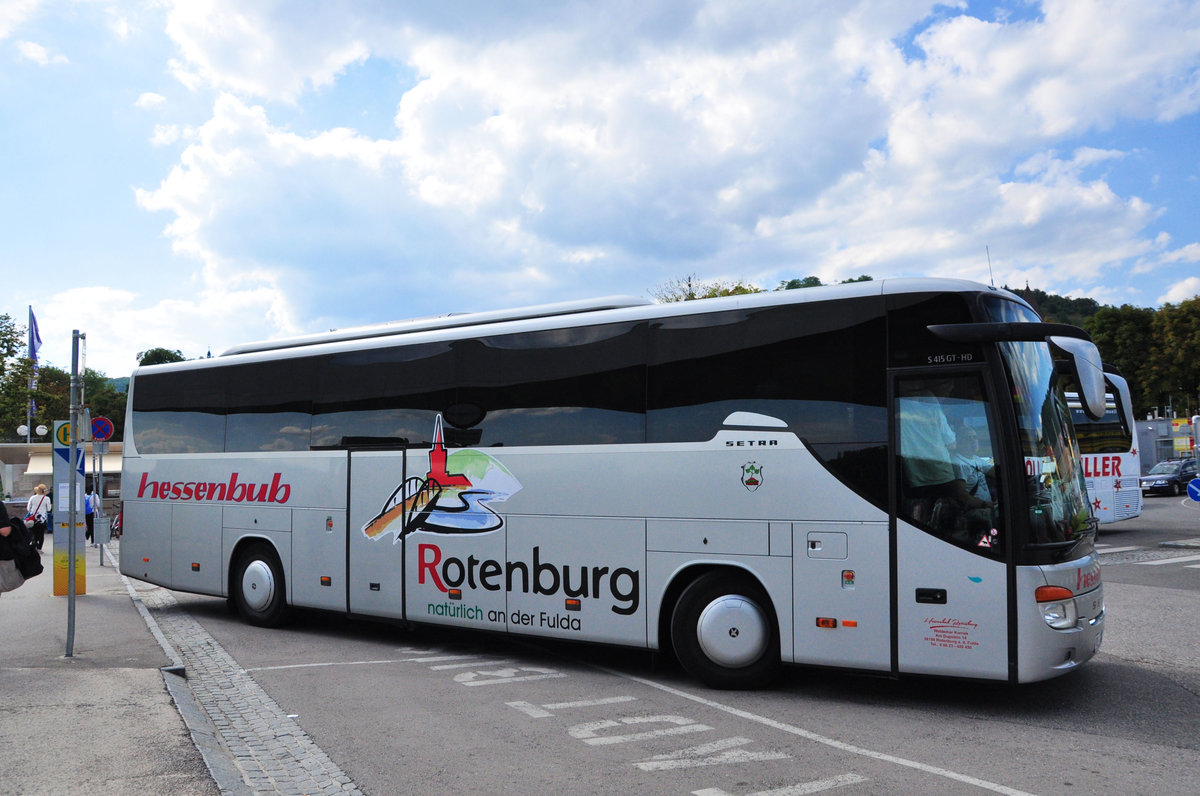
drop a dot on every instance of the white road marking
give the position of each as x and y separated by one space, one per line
545 711
1176 560
477 662
794 790
588 731
821 739
511 674
717 753
353 663
1103 550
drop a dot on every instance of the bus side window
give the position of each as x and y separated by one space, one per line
948 479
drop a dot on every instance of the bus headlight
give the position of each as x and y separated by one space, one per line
1058 607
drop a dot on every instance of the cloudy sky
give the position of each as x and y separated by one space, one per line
195 173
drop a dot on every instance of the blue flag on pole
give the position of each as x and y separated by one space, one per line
35 339
35 342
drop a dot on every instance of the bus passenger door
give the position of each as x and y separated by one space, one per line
376 562
951 585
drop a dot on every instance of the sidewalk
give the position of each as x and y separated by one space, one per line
101 721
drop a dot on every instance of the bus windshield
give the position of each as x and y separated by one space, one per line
1061 525
1106 435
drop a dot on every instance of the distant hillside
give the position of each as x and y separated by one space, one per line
1058 309
119 385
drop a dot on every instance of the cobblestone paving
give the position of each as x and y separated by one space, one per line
270 749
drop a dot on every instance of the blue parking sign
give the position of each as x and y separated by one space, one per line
1194 489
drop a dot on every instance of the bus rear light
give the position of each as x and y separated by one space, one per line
1058 606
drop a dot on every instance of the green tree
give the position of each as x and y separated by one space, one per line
689 289
1174 361
14 397
11 339
52 397
814 281
14 378
1125 337
796 284
104 400
159 356
1058 309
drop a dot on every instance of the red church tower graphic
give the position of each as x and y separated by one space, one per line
437 462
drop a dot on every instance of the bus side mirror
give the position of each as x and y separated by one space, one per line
1120 391
1088 371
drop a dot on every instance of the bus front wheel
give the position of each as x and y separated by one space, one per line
724 633
258 584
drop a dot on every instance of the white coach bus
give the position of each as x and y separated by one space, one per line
1112 468
741 481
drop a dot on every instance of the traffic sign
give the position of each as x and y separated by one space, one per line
1194 489
102 428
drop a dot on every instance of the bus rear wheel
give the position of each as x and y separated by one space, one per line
724 633
258 587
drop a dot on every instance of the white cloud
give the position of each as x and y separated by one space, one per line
121 27
266 50
149 99
165 134
1182 291
32 51
542 151
13 13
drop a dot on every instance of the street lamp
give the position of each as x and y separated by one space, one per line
23 430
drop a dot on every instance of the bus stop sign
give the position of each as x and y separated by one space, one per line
102 428
1194 489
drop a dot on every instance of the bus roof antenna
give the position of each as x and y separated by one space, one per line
991 276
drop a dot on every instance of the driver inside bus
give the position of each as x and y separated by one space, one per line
935 491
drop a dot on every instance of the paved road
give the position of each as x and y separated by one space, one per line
335 706
402 712
1161 548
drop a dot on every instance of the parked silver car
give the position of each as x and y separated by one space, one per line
1170 477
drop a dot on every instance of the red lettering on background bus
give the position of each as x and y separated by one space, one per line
232 490
1102 466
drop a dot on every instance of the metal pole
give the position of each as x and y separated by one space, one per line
88 496
99 510
72 481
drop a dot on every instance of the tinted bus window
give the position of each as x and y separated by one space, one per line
179 412
576 386
820 368
382 394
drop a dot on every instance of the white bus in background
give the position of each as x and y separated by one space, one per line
1108 451
742 481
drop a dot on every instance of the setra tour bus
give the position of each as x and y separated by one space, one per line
1108 453
832 476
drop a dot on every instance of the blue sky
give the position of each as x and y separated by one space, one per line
196 173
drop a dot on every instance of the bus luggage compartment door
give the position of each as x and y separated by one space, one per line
842 594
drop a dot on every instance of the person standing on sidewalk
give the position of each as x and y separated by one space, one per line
89 514
40 507
10 577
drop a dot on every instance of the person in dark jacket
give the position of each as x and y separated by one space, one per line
10 578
